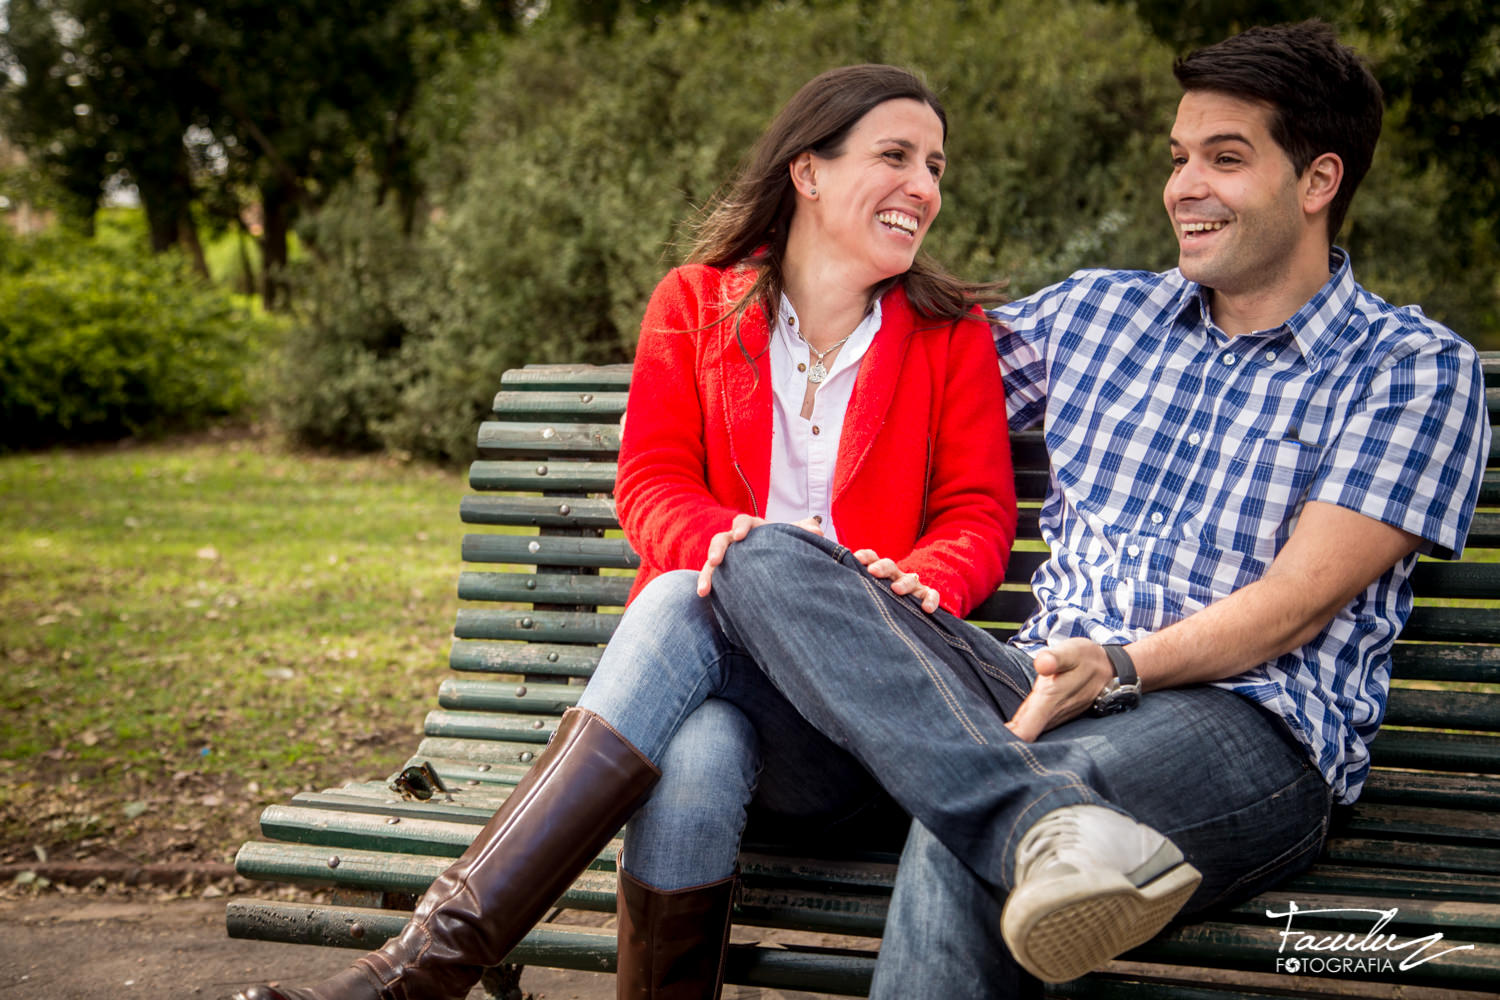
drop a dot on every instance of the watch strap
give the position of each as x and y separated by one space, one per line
1123 664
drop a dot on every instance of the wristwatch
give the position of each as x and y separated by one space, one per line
1123 692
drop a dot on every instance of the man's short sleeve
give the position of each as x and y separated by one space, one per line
1412 454
1021 329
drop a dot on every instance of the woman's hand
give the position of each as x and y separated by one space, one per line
738 529
902 582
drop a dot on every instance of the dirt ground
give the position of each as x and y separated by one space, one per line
108 945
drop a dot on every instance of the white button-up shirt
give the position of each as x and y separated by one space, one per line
804 452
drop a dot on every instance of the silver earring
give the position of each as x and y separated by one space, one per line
813 193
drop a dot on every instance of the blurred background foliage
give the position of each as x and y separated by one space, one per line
427 193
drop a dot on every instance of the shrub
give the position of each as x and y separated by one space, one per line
566 163
100 342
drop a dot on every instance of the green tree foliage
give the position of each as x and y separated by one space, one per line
566 162
225 102
101 341
1424 226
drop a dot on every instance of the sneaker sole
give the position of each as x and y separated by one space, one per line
1064 928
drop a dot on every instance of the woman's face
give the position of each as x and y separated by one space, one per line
877 198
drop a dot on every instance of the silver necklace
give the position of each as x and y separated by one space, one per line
817 373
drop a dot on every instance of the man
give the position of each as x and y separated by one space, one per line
1248 453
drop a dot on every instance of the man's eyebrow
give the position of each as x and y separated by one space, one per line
1217 139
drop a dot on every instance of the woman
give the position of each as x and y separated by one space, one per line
804 366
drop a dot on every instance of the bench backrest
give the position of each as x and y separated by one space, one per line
550 569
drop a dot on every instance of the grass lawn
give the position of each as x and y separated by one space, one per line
191 630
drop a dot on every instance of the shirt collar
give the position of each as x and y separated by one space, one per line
1317 328
787 323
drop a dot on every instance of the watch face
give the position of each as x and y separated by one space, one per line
1117 697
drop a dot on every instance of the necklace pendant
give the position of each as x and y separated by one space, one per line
817 373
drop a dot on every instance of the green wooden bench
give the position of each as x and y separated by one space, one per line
548 573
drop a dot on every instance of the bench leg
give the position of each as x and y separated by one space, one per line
583 787
672 944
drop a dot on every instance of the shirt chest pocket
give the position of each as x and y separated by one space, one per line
1265 483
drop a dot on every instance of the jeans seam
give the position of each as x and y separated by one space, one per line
1311 841
962 645
943 690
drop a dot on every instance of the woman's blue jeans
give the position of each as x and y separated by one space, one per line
723 736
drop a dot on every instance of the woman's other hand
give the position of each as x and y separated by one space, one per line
902 582
738 529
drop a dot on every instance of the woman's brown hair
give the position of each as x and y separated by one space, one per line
749 223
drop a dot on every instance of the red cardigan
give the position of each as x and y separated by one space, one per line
923 474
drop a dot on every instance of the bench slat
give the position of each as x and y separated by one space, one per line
544 588
549 438
1430 624
546 626
1465 791
543 475
1436 751
550 550
1422 822
1464 664
494 696
1370 852
538 512
569 377
493 726
1443 709
524 658
536 404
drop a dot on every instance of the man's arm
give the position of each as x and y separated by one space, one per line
1332 556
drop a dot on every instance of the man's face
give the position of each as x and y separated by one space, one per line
1233 197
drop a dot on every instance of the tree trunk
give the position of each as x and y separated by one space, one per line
187 238
169 218
276 213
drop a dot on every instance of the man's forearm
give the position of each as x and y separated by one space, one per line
1333 555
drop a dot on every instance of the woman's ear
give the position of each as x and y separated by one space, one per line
804 171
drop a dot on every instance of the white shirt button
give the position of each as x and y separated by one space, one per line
1229 359
1156 517
1133 551
1270 355
1194 438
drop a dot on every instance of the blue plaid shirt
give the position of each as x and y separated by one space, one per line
1181 458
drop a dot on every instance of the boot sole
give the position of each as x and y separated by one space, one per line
1065 928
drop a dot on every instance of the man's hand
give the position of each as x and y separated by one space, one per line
901 582
738 529
1069 676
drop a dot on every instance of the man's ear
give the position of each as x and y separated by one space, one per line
1320 182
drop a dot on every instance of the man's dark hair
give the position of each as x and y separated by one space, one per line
1322 97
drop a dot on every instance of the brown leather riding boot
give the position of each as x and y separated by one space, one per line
586 783
672 944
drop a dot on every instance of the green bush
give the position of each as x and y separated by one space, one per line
565 164
98 342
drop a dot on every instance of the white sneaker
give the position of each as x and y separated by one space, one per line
1090 884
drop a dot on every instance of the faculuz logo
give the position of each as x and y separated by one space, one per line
1352 953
